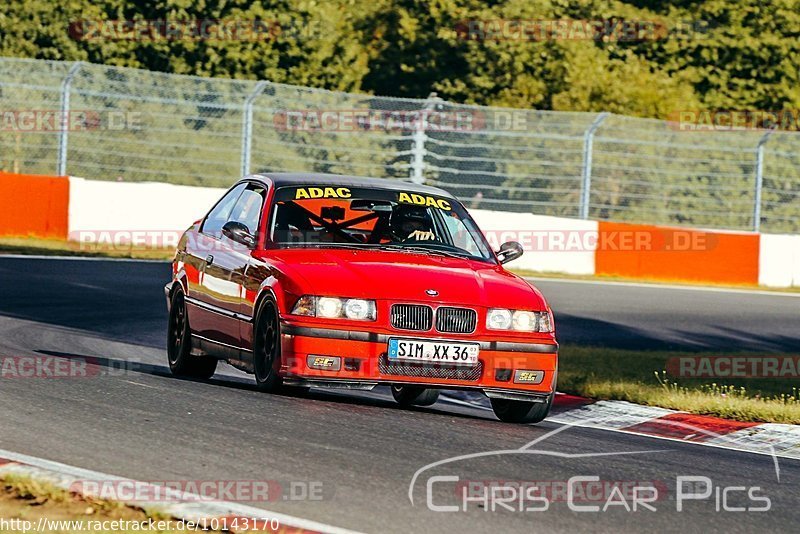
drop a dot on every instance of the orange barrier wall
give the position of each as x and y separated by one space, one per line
34 205
644 251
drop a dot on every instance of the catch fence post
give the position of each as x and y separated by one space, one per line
247 127
418 150
759 180
586 174
63 133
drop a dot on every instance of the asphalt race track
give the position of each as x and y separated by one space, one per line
135 420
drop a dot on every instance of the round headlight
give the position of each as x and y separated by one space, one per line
329 307
359 309
498 319
524 320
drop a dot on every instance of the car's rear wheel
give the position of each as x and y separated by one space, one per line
414 395
179 344
523 412
267 347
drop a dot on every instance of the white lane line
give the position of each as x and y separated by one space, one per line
193 507
667 286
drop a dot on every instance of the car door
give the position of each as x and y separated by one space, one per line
250 271
226 265
209 320
259 268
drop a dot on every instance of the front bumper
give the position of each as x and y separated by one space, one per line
359 361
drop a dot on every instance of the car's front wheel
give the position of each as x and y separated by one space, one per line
414 395
179 344
523 412
267 347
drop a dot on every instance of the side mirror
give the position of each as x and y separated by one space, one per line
238 232
510 250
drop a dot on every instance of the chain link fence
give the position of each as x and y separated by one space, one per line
111 123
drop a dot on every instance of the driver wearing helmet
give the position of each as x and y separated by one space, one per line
412 223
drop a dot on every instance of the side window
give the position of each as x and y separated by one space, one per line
248 208
219 215
460 234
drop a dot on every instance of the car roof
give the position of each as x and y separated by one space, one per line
295 179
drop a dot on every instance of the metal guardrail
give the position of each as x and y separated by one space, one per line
133 125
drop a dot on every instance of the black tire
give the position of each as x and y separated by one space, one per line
267 347
521 412
414 395
179 344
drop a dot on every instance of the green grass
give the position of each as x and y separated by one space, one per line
640 377
29 499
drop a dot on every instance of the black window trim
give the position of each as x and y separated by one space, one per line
247 183
217 203
262 210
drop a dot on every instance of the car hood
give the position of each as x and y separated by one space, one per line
391 275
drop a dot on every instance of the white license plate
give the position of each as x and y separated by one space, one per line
417 350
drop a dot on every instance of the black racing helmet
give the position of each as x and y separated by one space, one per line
406 218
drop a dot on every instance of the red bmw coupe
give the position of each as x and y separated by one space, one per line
309 280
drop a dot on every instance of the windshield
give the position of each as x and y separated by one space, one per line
331 216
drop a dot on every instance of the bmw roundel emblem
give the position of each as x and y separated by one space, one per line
432 292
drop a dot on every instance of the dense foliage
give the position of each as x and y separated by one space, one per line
712 54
